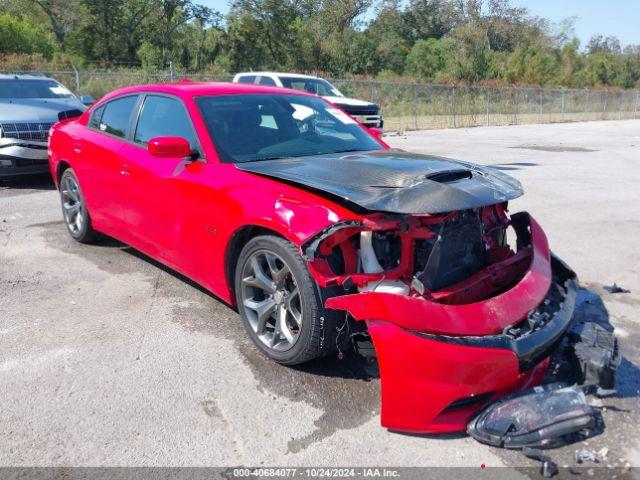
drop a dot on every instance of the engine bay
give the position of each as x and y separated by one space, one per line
454 258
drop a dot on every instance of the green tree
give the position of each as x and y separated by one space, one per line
100 37
391 38
630 75
166 26
469 54
262 33
532 65
426 59
64 17
204 36
20 35
133 26
426 19
603 69
434 40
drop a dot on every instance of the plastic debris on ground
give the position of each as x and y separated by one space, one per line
615 288
585 455
548 468
595 355
556 414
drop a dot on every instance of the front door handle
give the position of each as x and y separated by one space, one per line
124 170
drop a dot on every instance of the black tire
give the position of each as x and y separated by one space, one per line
71 197
316 333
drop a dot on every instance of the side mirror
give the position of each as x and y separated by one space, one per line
169 147
87 100
66 114
376 132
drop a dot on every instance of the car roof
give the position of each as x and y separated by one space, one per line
11 76
278 74
187 88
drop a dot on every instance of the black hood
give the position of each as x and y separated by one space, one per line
395 181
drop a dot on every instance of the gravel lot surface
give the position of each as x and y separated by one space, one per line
107 358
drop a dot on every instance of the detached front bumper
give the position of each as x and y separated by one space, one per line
22 157
441 363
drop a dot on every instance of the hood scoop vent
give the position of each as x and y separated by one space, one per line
450 176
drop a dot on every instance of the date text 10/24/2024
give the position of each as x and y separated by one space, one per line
291 472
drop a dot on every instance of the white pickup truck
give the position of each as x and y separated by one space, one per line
365 112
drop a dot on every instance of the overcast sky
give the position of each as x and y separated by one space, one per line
620 18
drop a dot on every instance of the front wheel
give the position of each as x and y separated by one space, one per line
279 302
74 210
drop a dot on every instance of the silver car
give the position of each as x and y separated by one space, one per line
29 106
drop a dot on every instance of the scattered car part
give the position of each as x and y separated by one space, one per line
542 416
595 355
585 455
548 468
615 288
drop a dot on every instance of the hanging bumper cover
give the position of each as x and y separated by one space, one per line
441 363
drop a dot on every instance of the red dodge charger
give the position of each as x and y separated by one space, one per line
324 238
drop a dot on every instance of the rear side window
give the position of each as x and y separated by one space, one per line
96 116
267 81
164 117
116 116
247 79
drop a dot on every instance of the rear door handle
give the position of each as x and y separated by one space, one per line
124 169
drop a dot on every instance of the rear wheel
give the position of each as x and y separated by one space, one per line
278 300
74 210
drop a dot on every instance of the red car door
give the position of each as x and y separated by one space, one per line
158 188
100 167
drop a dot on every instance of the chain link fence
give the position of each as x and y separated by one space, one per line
417 106
414 106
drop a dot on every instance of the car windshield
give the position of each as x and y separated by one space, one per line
19 88
311 85
247 128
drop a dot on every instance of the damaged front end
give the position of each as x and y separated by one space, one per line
457 316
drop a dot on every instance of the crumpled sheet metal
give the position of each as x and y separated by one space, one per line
488 317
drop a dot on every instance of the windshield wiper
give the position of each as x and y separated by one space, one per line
262 158
347 150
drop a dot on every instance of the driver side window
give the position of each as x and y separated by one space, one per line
164 117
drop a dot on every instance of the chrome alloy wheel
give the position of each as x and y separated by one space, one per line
271 300
72 205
